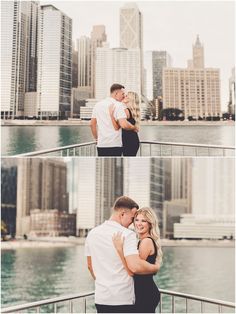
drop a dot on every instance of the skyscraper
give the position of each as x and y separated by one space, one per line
231 105
98 38
18 53
195 90
84 61
131 33
198 54
144 182
154 62
41 184
97 183
54 62
119 65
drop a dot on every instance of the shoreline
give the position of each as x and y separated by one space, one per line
76 122
65 242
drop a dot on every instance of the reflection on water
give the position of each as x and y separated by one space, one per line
33 274
18 139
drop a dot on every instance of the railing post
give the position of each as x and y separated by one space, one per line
186 305
55 308
70 306
74 151
202 307
85 305
173 303
161 303
220 309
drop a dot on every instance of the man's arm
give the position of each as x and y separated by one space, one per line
126 125
93 126
90 266
139 266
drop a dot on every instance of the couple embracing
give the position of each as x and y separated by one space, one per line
115 123
122 268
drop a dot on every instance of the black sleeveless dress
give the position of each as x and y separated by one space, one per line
147 294
130 139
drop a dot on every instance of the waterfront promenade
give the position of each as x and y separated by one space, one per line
71 122
71 241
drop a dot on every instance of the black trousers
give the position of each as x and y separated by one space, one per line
115 308
109 151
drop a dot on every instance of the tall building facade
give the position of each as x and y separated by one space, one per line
84 61
154 62
41 184
97 182
212 187
144 182
195 90
231 105
98 38
74 67
19 21
54 62
131 33
119 65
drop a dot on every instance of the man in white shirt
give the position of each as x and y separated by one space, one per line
109 140
114 288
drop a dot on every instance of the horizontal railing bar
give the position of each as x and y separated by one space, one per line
56 149
197 298
45 302
188 144
86 294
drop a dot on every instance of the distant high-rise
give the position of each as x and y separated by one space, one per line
84 61
198 54
117 65
98 38
154 62
213 187
231 104
41 184
131 32
144 182
195 90
18 54
54 62
97 181
74 67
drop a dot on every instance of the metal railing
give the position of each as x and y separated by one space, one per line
147 148
170 307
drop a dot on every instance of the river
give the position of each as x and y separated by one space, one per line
32 274
22 139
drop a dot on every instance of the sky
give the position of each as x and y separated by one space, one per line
167 25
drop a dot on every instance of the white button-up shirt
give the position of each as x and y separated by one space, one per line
113 285
107 135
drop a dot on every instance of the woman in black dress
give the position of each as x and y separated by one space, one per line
130 139
147 294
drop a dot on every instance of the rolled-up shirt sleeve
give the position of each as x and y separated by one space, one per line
130 245
86 248
94 113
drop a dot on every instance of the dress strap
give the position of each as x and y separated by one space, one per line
154 243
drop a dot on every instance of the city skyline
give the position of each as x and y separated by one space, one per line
219 49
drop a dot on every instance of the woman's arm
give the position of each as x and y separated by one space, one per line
90 266
114 122
118 241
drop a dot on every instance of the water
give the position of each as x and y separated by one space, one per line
32 274
22 139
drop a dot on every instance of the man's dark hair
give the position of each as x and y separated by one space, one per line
125 202
115 87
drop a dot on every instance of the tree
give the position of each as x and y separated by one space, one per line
172 114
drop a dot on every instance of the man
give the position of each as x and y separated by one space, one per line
109 140
114 288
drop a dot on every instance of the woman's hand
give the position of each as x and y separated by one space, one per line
118 241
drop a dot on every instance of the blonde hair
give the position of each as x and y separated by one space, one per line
134 106
154 230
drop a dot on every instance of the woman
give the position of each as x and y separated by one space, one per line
147 294
130 139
